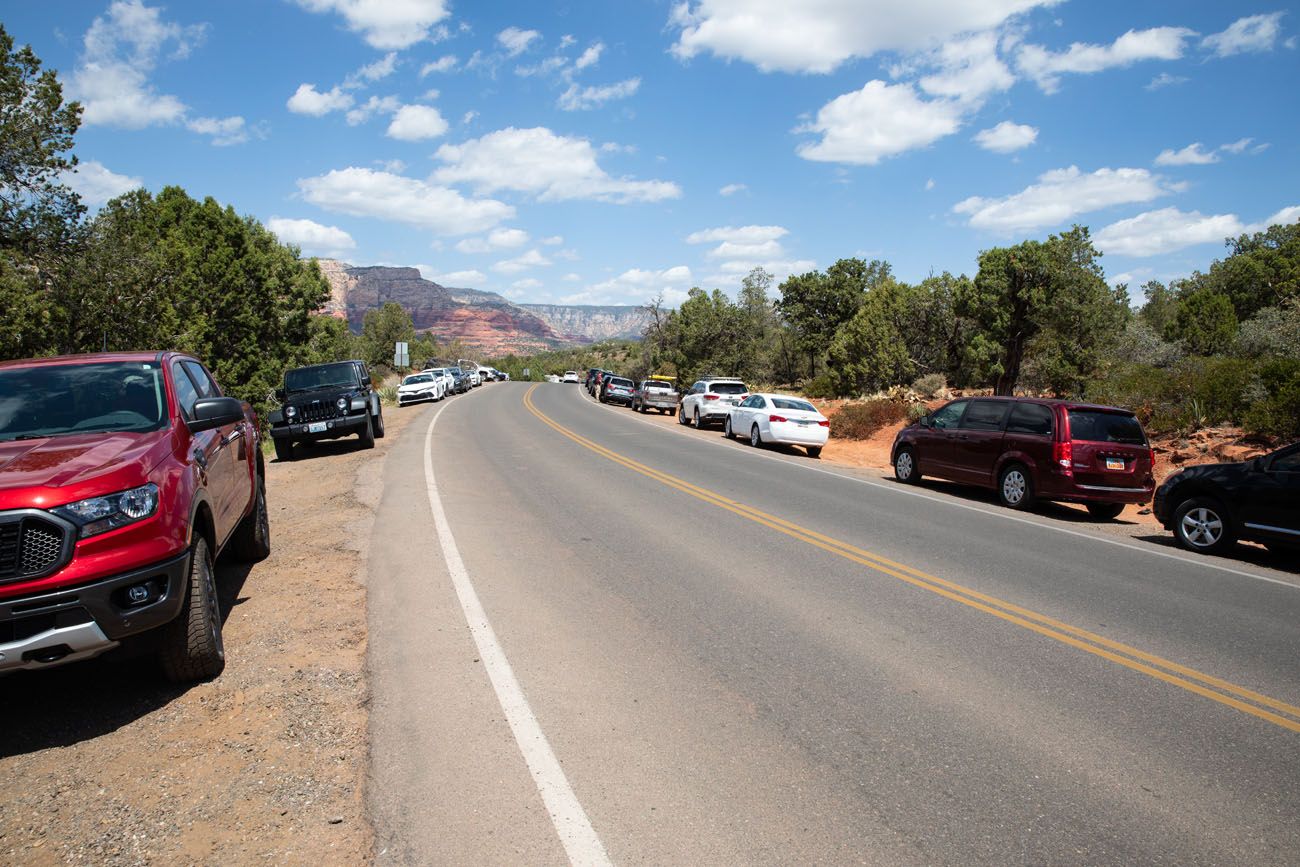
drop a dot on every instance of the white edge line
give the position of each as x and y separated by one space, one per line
898 489
571 824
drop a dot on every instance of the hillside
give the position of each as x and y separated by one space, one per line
484 321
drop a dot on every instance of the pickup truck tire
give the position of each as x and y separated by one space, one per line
368 434
283 450
252 539
192 649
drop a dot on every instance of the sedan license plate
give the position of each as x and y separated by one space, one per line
1114 463
316 427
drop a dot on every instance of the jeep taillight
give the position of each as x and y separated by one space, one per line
1063 455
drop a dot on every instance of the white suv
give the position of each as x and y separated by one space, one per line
710 400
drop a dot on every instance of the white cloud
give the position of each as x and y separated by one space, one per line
1164 79
732 189
526 283
1060 195
96 184
732 250
314 239
738 235
374 105
1284 217
730 274
969 69
929 184
1192 155
516 41
546 67
637 286
308 100
1254 33
385 24
381 68
1046 67
224 131
446 63
819 36
459 279
590 56
1006 137
539 162
367 193
1237 146
880 120
531 259
500 239
120 49
416 123
553 240
469 117
1165 231
581 98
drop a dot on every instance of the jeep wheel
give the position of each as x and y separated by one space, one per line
283 450
252 539
192 649
379 425
367 435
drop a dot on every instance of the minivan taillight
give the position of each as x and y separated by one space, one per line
1063 455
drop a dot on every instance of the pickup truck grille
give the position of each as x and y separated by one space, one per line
319 410
29 547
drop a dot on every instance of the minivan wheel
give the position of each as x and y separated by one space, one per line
905 467
1105 511
1014 488
1201 525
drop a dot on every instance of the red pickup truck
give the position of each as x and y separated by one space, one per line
122 477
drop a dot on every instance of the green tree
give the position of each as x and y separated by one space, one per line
1161 306
706 334
869 352
1206 322
1053 289
382 329
1262 271
37 210
815 305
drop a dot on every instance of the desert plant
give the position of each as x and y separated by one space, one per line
388 395
858 421
931 385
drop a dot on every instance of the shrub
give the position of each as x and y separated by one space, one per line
915 411
931 385
1278 413
821 388
388 395
858 421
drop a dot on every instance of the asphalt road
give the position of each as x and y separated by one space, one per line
725 656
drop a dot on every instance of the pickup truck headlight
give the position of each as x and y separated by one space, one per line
101 514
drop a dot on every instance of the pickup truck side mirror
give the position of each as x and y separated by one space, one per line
214 412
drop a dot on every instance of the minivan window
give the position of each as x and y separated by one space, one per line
1106 427
947 416
1030 418
984 415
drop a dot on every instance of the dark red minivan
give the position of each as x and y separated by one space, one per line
1029 449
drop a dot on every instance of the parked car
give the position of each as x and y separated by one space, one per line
444 375
325 402
618 389
570 376
710 400
778 418
655 394
1209 507
460 382
419 387
1029 449
125 476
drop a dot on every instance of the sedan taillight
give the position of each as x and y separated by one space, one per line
777 418
824 423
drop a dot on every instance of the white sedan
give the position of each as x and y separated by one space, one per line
779 418
421 386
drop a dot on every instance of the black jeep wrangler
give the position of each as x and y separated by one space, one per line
325 402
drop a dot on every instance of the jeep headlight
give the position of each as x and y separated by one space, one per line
342 404
290 412
101 514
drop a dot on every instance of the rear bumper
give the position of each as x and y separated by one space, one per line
1069 490
798 435
53 628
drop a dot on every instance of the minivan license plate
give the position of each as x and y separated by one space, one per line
1114 463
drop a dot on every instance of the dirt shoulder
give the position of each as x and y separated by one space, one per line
106 764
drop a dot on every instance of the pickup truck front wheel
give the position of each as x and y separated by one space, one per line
192 648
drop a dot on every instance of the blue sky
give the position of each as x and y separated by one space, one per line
608 152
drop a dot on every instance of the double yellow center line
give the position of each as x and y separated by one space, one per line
1216 689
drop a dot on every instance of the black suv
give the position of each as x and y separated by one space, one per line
325 402
1209 506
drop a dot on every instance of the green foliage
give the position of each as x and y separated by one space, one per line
382 329
388 395
868 353
1263 270
931 385
1160 308
1205 323
858 421
1277 412
1272 332
916 411
816 305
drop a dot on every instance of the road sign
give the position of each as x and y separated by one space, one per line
402 354
527 374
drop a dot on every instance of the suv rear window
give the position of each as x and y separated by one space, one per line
727 387
618 380
1106 427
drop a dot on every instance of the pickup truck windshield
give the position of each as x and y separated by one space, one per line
59 399
321 376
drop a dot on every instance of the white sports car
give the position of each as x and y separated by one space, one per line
779 418
420 386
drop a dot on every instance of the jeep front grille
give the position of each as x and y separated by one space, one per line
319 410
30 546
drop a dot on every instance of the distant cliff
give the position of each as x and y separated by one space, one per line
482 320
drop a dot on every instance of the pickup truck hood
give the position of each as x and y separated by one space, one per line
122 460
